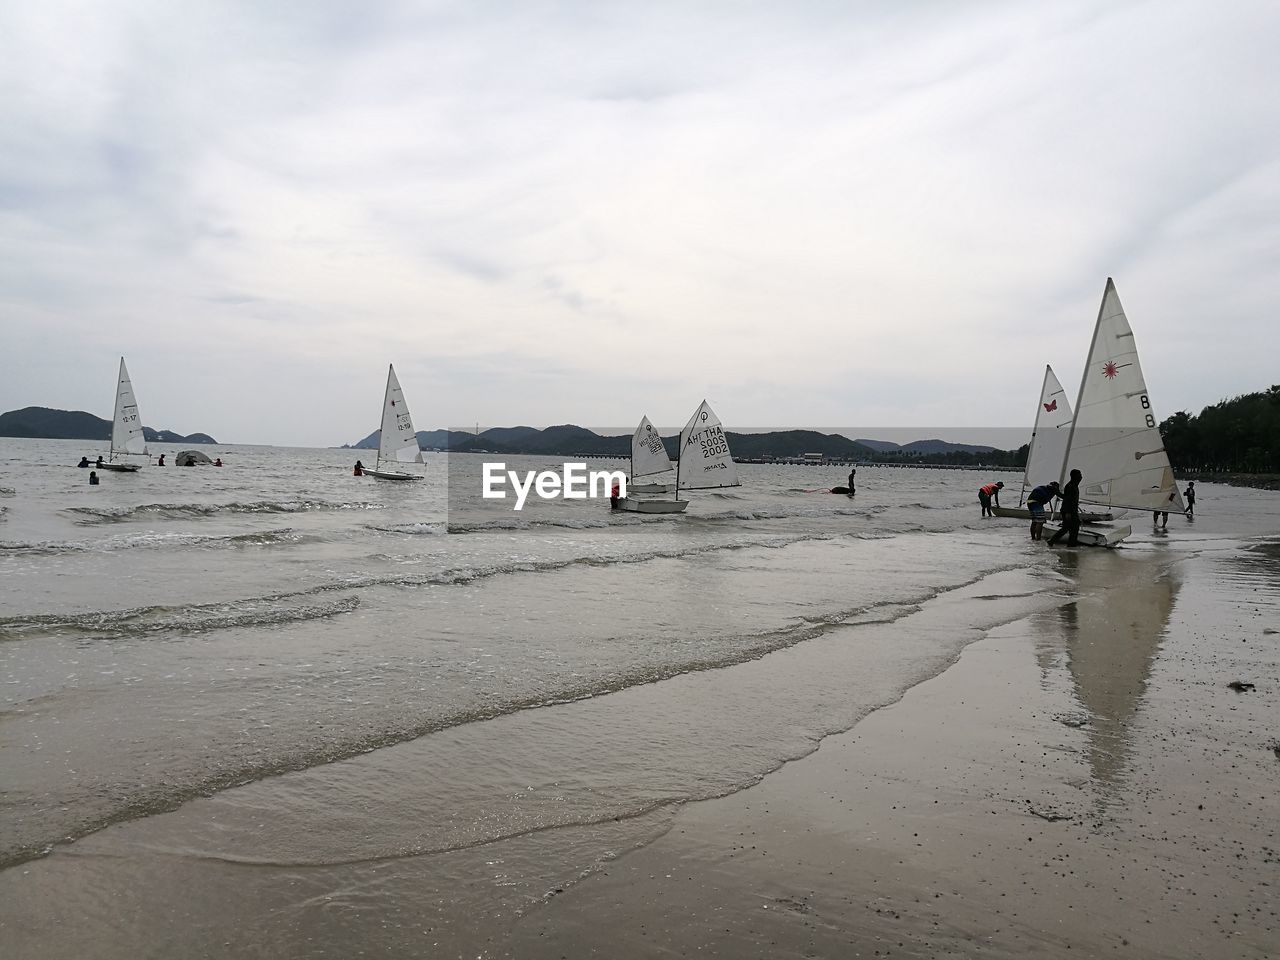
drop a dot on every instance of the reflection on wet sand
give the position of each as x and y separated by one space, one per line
1109 638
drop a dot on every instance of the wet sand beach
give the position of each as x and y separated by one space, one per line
1082 783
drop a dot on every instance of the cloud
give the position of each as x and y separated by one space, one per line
546 212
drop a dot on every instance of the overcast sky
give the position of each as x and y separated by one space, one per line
811 213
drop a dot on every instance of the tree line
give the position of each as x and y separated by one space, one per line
1240 435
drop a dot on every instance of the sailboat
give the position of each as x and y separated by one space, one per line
1048 446
651 469
397 441
704 463
1114 440
126 427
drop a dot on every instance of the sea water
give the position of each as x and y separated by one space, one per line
277 664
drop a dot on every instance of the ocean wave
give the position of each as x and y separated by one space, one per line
520 523
423 528
163 795
284 535
8 492
188 511
309 604
188 619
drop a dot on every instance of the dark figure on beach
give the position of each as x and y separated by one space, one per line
160 462
84 462
987 494
1036 502
853 472
1190 496
1070 511
93 478
359 470
613 496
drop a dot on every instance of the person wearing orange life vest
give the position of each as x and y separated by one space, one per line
987 494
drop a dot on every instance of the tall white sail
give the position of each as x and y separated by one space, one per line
1048 437
649 460
398 441
705 461
1114 439
126 426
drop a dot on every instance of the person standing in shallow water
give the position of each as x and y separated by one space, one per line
93 478
1036 503
1190 497
1070 511
987 494
853 472
359 469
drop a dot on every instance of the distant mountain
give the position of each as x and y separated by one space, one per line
925 447
785 444
944 446
567 440
879 446
427 440
49 424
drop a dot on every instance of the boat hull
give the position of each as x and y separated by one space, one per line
117 467
1022 513
635 505
650 487
379 475
1094 538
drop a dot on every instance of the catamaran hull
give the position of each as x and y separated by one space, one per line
1022 513
1093 538
379 475
633 505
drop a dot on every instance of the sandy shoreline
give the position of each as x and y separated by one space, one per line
1080 783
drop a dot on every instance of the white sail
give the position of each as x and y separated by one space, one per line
398 442
1049 436
126 426
1114 438
649 460
705 461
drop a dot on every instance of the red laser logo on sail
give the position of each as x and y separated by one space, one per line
1109 370
1051 406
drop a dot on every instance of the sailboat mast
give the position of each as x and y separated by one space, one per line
1031 447
679 457
1071 434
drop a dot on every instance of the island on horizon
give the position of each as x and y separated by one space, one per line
46 423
